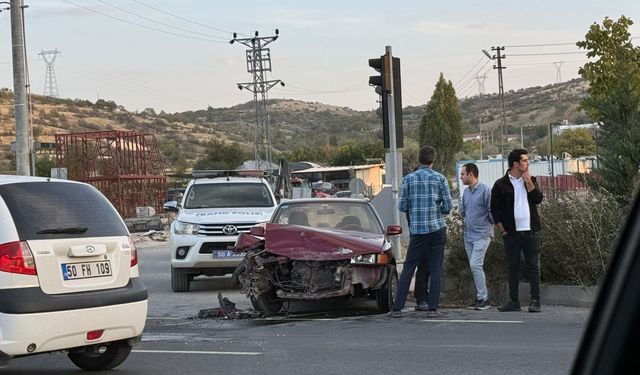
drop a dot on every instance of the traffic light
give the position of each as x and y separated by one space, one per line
382 84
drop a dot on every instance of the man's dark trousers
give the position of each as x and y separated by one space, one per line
430 247
529 243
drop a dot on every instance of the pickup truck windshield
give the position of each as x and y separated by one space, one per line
228 195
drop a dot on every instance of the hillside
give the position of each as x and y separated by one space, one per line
182 137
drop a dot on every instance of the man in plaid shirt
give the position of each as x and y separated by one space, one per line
425 196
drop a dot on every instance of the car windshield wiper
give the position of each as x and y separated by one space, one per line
63 230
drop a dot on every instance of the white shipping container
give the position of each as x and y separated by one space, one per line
491 170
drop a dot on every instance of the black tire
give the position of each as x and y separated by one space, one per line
180 280
387 294
115 354
267 303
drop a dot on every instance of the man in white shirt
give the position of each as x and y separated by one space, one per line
514 200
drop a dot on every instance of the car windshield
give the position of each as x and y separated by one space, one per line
351 216
228 195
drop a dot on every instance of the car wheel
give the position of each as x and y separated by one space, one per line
180 280
386 295
113 356
267 302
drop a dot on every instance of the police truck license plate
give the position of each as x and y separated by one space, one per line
86 270
219 254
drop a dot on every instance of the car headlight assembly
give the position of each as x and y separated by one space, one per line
378 259
365 259
180 227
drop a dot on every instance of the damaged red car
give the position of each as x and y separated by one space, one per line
315 249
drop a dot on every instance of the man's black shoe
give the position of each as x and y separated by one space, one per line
510 306
534 306
473 305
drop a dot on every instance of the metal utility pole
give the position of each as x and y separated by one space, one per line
19 89
50 84
480 80
558 64
498 56
259 62
480 132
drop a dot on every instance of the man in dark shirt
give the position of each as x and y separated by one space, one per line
514 200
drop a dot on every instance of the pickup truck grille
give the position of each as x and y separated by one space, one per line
219 229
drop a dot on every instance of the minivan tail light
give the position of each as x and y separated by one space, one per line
134 252
16 257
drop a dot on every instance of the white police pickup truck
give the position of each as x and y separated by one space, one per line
216 207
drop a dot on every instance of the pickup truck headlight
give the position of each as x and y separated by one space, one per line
180 227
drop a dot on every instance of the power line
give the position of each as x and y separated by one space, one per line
547 54
470 79
182 18
122 83
543 45
158 22
547 63
140 25
474 65
357 87
551 44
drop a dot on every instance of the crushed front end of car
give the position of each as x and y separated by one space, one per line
291 262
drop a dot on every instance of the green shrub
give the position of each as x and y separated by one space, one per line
578 233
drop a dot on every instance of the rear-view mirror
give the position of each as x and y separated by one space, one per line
257 231
171 206
393 230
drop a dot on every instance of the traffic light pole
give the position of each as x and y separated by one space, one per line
388 86
393 150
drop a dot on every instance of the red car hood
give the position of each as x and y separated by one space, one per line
304 243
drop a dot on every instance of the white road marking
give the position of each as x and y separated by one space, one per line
163 318
470 321
194 352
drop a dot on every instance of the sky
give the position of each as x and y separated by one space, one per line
175 56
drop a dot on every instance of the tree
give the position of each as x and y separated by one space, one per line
43 164
355 152
614 101
576 142
441 126
220 155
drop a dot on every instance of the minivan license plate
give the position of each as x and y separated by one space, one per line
86 270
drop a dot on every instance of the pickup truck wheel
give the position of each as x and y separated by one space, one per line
267 302
180 280
114 355
386 295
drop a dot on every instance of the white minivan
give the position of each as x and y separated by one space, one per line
68 274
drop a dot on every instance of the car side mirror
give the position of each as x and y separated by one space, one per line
171 206
257 231
393 230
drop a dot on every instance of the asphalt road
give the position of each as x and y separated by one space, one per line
341 337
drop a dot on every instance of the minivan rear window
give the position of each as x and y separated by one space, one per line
43 210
